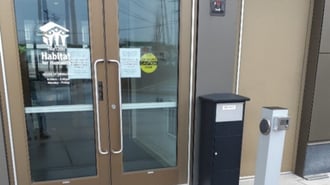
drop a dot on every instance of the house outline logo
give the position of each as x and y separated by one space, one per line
54 35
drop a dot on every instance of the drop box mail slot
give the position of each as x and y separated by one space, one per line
226 112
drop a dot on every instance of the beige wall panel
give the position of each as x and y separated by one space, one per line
274 40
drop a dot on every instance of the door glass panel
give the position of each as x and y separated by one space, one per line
53 37
149 55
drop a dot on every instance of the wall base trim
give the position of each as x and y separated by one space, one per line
316 176
317 159
251 177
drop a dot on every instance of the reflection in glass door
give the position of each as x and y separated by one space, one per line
149 34
53 38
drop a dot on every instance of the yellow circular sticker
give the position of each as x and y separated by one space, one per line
148 63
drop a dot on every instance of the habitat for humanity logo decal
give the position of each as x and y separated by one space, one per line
55 37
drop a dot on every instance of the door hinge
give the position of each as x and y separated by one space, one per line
100 90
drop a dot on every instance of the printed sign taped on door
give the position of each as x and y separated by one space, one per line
148 63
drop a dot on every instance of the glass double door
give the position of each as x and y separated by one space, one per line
101 96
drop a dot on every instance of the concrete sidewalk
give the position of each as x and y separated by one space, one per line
291 179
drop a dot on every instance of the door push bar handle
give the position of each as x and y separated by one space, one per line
120 110
97 99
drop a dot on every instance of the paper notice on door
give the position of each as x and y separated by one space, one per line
130 62
79 66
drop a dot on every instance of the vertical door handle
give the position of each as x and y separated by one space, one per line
120 110
97 99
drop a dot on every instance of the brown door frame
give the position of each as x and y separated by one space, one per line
15 133
16 105
180 173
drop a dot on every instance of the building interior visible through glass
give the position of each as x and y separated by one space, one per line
54 48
